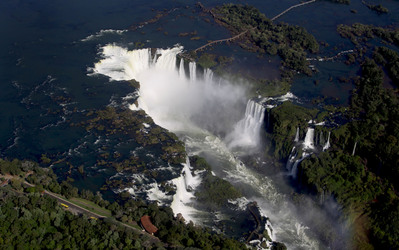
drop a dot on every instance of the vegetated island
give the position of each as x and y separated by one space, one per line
377 8
254 32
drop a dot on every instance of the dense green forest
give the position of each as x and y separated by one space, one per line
29 219
361 169
363 179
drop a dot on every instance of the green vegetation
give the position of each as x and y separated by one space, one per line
377 8
266 87
173 231
389 59
343 176
207 60
365 182
213 192
128 124
31 220
291 43
288 41
360 33
91 206
284 121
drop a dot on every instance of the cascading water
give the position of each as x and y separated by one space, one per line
208 75
182 72
193 71
247 131
167 60
308 143
327 145
354 149
307 147
183 197
294 168
296 135
189 110
291 159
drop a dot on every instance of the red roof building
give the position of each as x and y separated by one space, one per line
147 224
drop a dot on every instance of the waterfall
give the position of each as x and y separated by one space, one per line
308 142
136 61
327 145
171 101
193 71
190 181
167 60
354 149
182 72
247 131
293 162
291 159
208 75
294 168
297 135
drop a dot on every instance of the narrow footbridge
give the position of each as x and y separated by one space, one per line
292 7
242 33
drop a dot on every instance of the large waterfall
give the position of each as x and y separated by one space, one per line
308 146
201 113
308 143
247 131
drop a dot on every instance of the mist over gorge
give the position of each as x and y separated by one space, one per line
267 124
216 120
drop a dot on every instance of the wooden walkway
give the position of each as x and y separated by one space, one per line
242 33
221 41
292 7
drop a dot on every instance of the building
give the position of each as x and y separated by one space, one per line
147 225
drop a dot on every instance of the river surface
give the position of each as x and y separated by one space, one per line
48 48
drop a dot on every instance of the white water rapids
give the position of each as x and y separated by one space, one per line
209 118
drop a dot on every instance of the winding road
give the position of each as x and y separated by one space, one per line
81 210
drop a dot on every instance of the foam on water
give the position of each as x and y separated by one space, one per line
102 33
182 200
191 108
282 222
155 194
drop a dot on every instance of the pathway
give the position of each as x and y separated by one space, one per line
292 7
242 33
80 209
